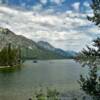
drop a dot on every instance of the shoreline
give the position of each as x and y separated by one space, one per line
1 67
9 68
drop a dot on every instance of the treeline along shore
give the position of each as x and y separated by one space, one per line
10 56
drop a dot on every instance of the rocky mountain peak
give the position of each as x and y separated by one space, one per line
5 30
46 45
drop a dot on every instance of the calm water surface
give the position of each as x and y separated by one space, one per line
21 84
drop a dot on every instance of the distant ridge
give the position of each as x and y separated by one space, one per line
65 54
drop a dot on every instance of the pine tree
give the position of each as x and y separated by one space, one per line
10 56
91 83
3 57
96 12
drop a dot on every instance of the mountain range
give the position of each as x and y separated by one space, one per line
31 49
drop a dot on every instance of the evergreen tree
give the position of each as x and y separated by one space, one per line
10 56
4 57
91 84
96 12
91 56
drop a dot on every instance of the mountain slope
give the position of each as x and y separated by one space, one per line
48 46
30 49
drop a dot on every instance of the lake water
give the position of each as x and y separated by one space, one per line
21 84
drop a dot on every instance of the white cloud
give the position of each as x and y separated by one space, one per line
76 6
43 1
57 1
87 7
86 4
66 30
37 7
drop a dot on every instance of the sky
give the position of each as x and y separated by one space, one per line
62 23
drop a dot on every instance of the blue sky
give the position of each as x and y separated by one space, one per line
58 5
62 23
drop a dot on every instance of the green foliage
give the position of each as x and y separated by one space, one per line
90 56
97 44
40 96
4 57
9 56
49 95
96 11
39 53
52 94
91 84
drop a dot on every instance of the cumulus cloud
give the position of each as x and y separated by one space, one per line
43 1
68 30
37 7
76 6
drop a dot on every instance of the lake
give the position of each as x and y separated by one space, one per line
21 84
